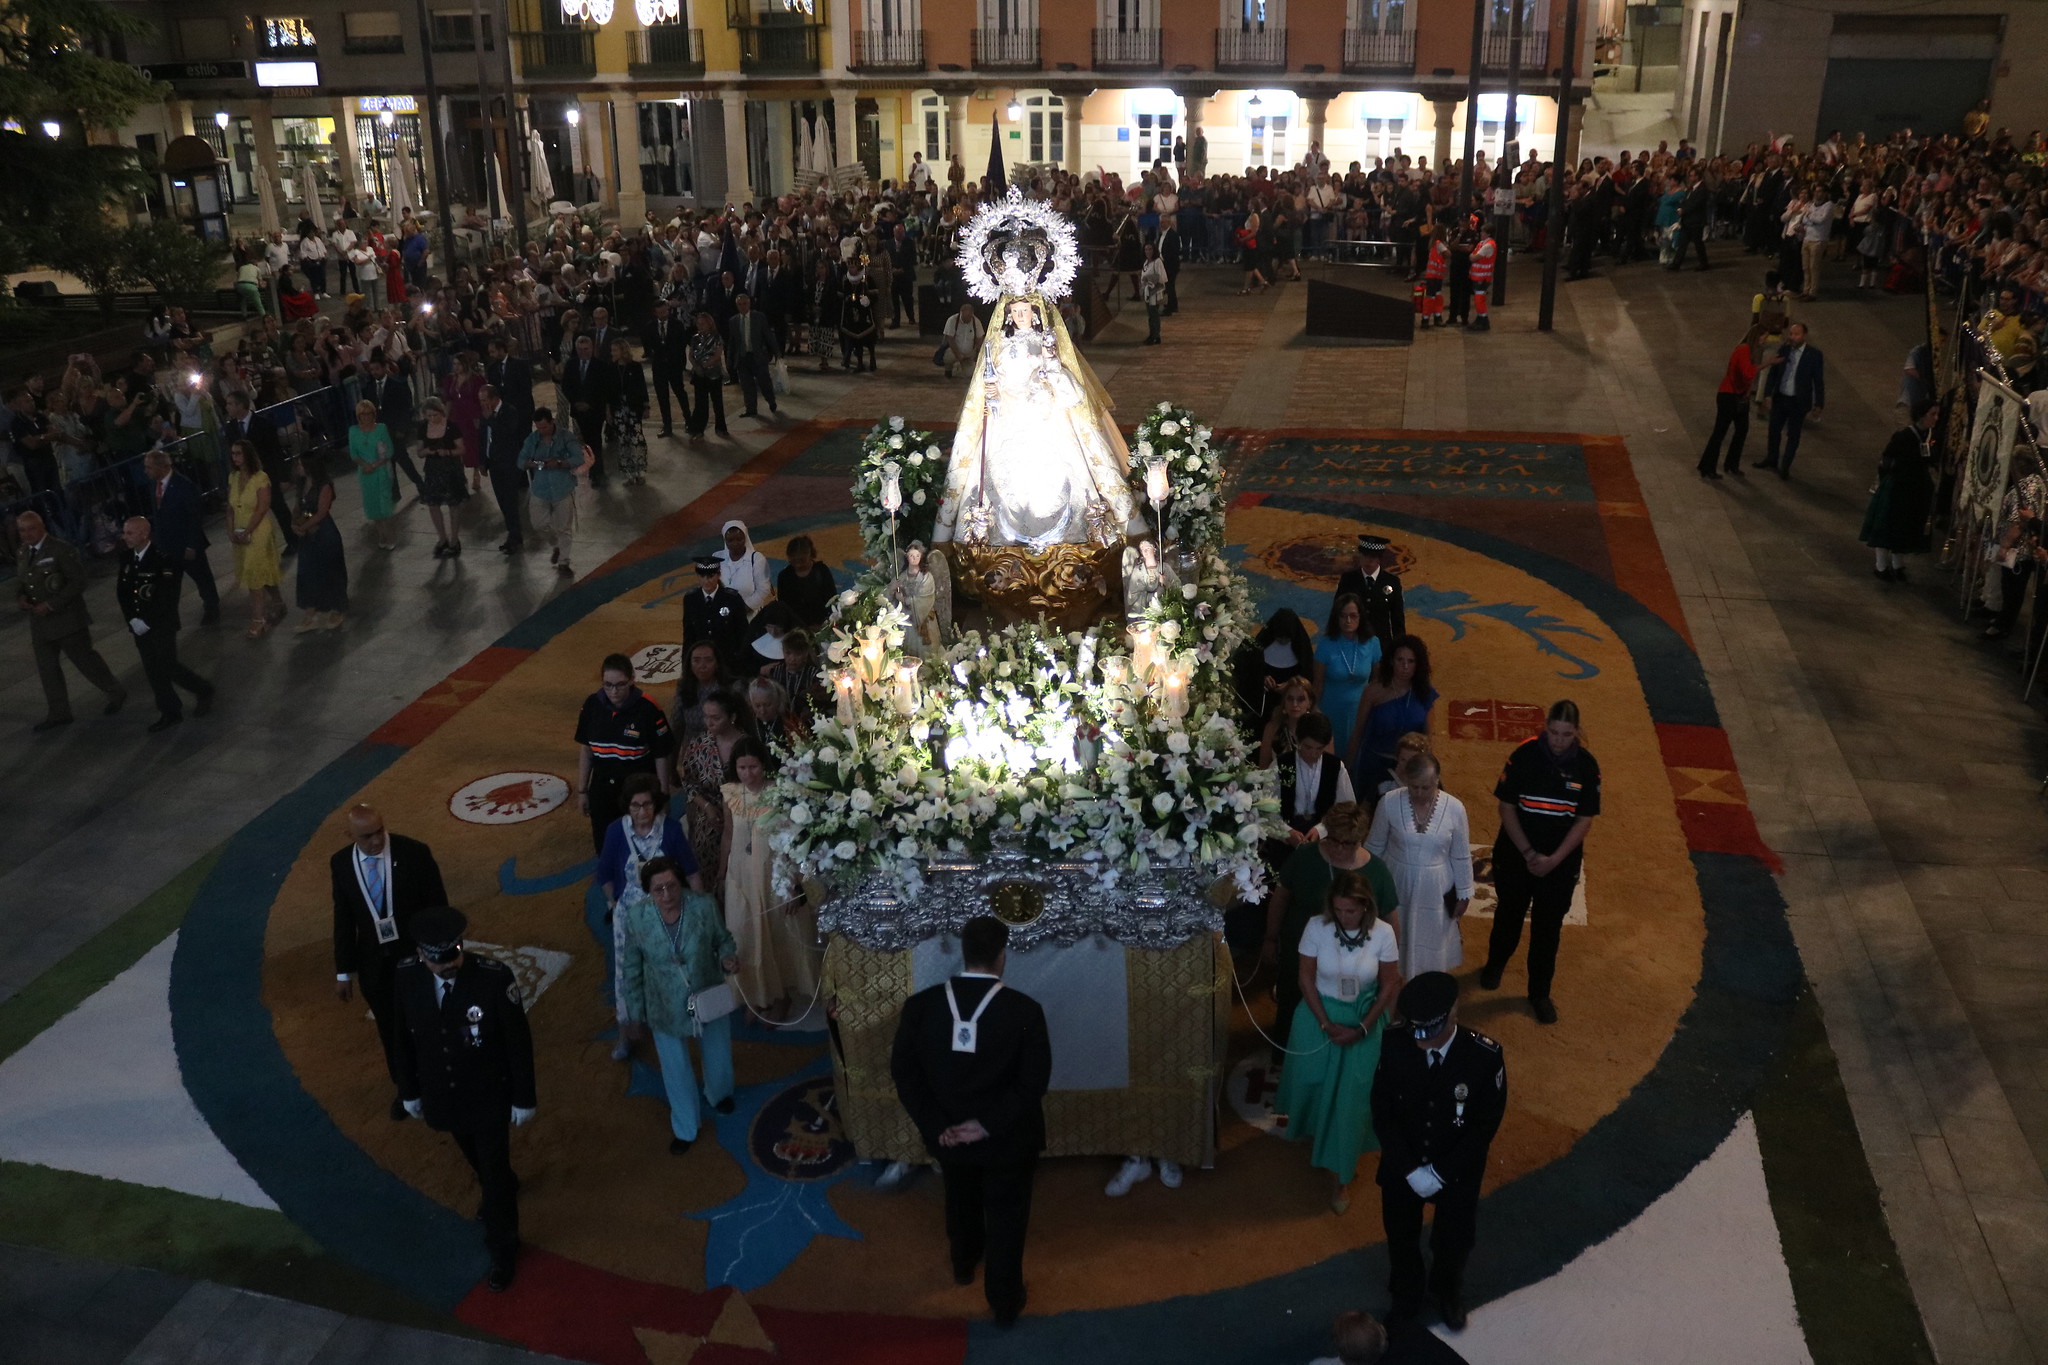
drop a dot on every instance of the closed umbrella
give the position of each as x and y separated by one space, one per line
405 193
314 210
822 149
540 181
807 153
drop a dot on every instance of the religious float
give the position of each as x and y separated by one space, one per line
1061 751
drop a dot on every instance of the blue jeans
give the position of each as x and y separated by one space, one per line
680 1080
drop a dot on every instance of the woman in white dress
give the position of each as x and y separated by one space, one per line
1422 832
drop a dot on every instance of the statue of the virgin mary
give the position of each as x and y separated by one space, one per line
1037 460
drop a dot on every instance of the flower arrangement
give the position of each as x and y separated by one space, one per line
1171 440
905 466
1116 748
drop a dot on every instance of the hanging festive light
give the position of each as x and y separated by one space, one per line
652 12
598 12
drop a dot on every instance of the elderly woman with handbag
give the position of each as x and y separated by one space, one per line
677 953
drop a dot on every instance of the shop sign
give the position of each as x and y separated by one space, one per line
175 72
397 104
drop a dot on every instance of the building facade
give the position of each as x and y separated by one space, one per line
665 103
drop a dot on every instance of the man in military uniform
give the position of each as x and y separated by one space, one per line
718 614
1435 1106
465 1061
50 586
147 589
1379 590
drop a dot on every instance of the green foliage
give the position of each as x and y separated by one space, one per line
49 70
170 258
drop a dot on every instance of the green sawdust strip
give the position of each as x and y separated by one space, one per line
1854 1301
201 1239
101 958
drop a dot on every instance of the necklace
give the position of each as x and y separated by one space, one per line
1422 817
1349 941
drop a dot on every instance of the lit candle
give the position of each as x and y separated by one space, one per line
843 683
906 688
1175 699
871 661
1156 482
1141 651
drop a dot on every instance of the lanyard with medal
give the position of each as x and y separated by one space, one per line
475 1015
964 1030
1459 1093
380 906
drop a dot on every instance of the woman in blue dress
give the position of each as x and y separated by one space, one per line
1397 703
1345 659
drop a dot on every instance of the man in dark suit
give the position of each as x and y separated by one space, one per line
586 386
511 375
752 347
178 528
1170 251
668 355
1378 590
1437 1101
903 263
717 301
146 586
971 1062
49 585
602 333
379 882
392 393
465 1065
500 434
1798 389
781 298
242 424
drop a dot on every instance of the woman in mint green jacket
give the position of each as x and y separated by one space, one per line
676 944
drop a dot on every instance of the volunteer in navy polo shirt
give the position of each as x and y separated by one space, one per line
622 732
1549 793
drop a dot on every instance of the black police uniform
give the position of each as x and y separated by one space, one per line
468 1060
1384 613
1547 797
622 740
1442 1115
720 618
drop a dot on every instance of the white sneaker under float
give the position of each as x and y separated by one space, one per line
1169 1174
1134 1169
892 1175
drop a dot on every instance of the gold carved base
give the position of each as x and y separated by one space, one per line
1071 586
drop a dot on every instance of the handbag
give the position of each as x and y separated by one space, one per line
778 373
939 356
712 1003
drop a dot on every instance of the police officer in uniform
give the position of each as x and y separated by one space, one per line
49 580
146 587
1379 590
465 1060
1437 1101
971 1062
622 732
718 614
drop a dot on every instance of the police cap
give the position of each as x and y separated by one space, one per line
708 565
1426 1002
439 932
1373 545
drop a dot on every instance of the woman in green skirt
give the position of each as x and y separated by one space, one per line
1350 975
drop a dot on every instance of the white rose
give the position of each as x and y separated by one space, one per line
918 497
800 814
1169 630
1144 451
1166 407
1188 591
896 424
1004 669
862 800
828 754
1169 428
931 452
1162 803
848 598
1177 742
1192 462
915 459
895 443
845 850
906 848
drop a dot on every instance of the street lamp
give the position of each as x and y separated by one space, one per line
52 128
1016 111
575 116
220 119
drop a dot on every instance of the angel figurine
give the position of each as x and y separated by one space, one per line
925 592
1145 578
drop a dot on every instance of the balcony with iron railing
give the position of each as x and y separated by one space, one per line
1126 49
1006 49
1371 51
665 50
1535 50
556 54
873 51
780 49
1251 49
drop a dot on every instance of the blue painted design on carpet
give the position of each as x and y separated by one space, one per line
755 1235
1451 607
1532 471
510 883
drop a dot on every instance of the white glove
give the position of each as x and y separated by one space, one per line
413 1107
521 1117
1425 1182
138 625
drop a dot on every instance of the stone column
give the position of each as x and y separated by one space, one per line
1446 112
597 142
270 185
846 120
734 104
1072 132
346 168
956 135
1316 109
632 199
